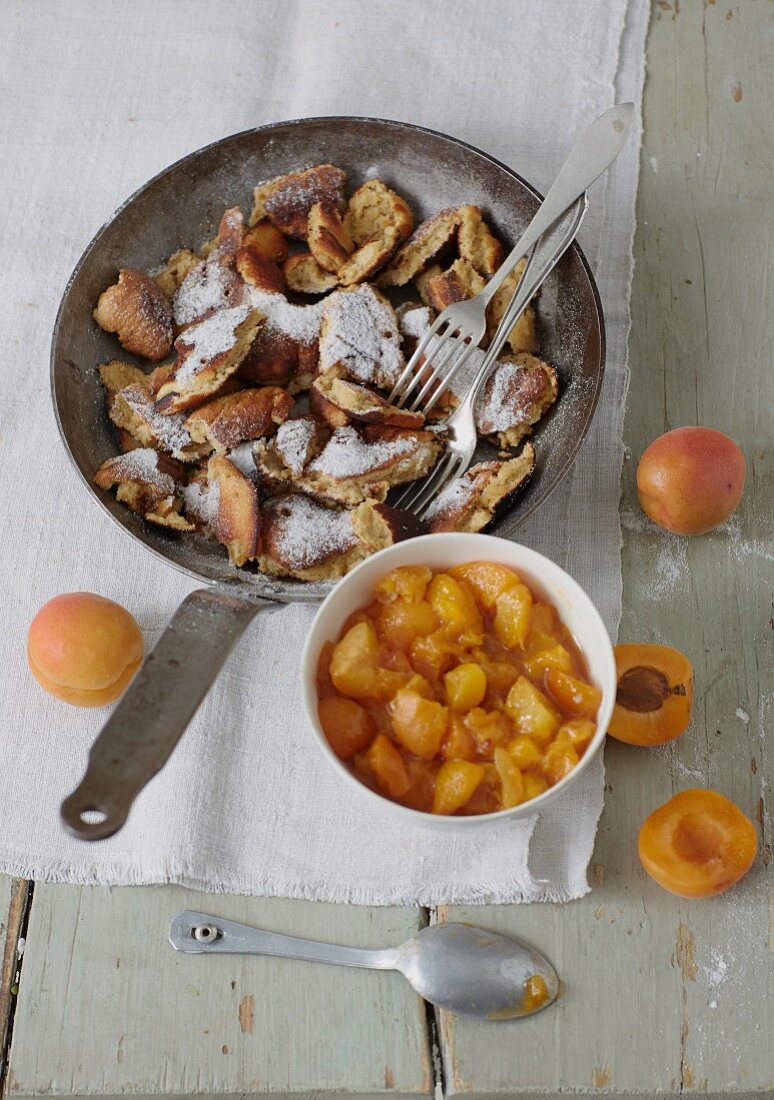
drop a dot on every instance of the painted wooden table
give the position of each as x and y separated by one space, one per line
661 996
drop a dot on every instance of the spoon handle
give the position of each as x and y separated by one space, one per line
593 153
200 933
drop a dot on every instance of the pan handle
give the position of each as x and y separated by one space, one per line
140 735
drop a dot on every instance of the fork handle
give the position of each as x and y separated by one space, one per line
546 255
593 153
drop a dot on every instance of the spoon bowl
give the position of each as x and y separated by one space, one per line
475 972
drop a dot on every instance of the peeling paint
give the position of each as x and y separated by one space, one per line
601 1077
247 1014
685 952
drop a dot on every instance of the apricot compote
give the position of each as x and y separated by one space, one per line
456 692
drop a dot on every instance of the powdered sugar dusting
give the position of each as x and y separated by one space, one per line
347 455
170 431
293 440
509 397
142 464
414 320
206 340
455 497
299 323
361 334
205 288
718 970
202 500
303 533
243 458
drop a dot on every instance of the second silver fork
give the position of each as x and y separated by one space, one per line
461 425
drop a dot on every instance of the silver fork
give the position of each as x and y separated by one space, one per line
461 425
464 323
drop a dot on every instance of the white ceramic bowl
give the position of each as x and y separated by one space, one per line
441 551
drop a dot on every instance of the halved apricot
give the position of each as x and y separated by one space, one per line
487 579
456 782
697 844
573 695
388 766
347 726
654 694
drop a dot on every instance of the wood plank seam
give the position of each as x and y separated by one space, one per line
10 975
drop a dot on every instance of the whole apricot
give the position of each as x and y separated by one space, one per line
84 649
690 480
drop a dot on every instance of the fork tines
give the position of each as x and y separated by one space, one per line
430 374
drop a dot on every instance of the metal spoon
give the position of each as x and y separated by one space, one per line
459 967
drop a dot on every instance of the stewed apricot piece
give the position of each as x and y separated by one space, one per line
355 670
560 757
512 613
407 582
551 657
575 696
531 712
511 781
487 579
654 695
434 653
401 621
388 766
419 723
84 649
524 751
353 662
348 727
489 728
697 844
457 780
455 606
459 743
465 687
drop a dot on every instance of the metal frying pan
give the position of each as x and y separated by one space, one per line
182 206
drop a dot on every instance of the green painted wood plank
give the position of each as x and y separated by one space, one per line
665 996
106 1007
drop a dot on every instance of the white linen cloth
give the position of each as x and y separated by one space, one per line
95 99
